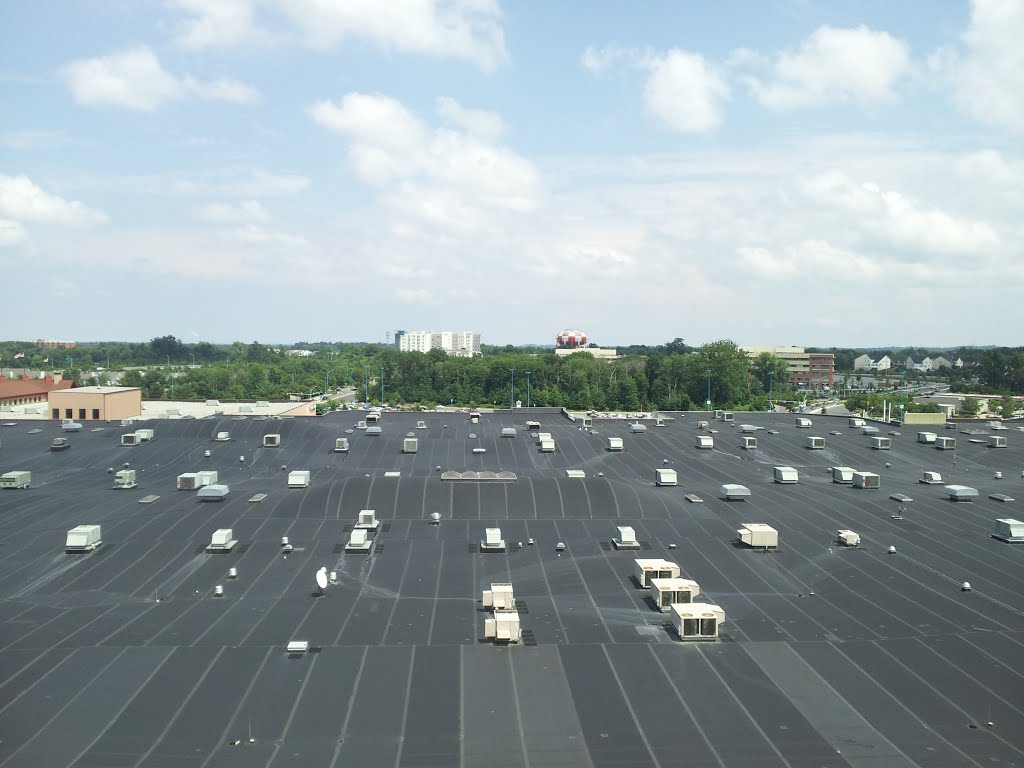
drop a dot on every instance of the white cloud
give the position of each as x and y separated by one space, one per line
23 200
858 65
254 233
686 92
247 210
900 219
219 23
480 123
987 80
134 79
11 233
441 176
597 60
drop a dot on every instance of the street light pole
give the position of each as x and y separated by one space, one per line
366 380
513 403
382 386
527 389
708 371
771 385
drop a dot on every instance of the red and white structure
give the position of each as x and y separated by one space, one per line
571 339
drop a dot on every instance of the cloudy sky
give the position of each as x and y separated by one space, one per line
780 172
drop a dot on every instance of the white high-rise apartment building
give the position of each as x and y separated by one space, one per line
458 343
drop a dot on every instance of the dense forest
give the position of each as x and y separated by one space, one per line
672 376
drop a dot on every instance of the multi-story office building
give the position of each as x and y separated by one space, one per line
811 370
457 343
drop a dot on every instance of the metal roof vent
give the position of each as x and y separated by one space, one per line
222 541
218 591
232 573
965 587
435 518
492 541
626 538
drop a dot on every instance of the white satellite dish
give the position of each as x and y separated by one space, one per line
321 579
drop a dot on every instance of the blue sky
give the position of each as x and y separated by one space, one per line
782 172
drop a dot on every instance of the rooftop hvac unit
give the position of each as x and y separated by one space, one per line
926 437
727 416
499 597
508 432
671 591
213 492
124 479
626 538
748 429
547 446
718 414
341 445
474 418
542 436
1009 530
271 441
503 627
637 428
815 443
212 403
748 443
299 478
758 535
945 443
868 480
803 423
786 475
262 404
706 442
222 541
479 450
847 538
358 541
207 477
615 444
374 431
842 475
856 423
931 478
996 441
867 430
664 476
410 445
532 426
71 426
951 425
129 438
361 424
734 492
492 541
367 520
188 481
372 417
881 443
586 421
659 421
961 492
697 621
59 444
83 538
578 474
144 435
654 568
222 437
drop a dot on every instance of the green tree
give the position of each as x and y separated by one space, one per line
771 371
970 407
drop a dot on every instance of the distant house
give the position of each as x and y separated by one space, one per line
940 362
958 363
884 363
865 363
924 365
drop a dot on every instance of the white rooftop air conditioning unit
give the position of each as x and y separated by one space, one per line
341 445
705 442
299 478
866 480
421 425
803 423
847 538
222 437
129 438
615 444
271 441
697 621
926 437
372 417
1009 530
189 481
223 540
83 538
945 443
207 477
492 541
71 426
758 535
961 492
748 443
144 435
410 445
748 429
663 476
124 479
358 541
670 591
843 475
856 423
547 446
503 627
500 597
931 478
637 428
734 492
786 475
59 444
727 416
577 474
213 492
508 432
868 430
367 519
532 426
815 443
654 568
881 443
996 441
626 538
374 431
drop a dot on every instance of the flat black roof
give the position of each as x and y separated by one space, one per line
828 657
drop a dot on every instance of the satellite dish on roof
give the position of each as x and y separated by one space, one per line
321 579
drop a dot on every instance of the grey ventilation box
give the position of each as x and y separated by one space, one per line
213 492
734 492
727 416
945 443
786 475
961 492
626 538
299 478
637 428
615 444
271 441
492 541
664 476
1009 530
508 432
575 473
814 443
125 479
83 538
374 431
222 541
869 430
59 444
866 480
758 535
856 423
341 445
931 478
996 441
358 541
367 520
748 443
803 422
926 437
705 442
410 445
222 437
842 475
881 443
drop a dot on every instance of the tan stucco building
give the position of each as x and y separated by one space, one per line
96 403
